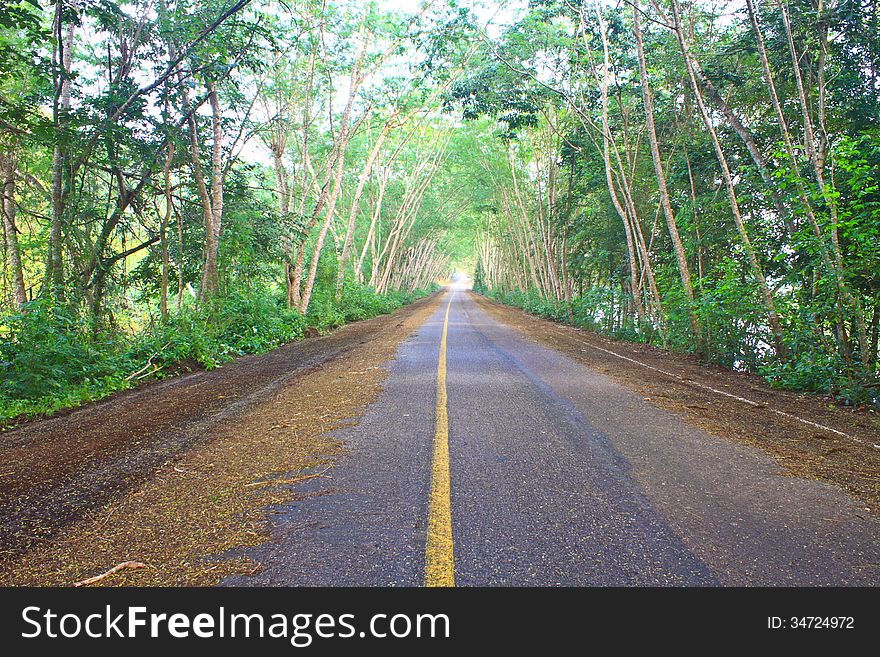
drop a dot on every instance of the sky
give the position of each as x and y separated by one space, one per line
494 14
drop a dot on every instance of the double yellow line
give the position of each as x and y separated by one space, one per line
439 562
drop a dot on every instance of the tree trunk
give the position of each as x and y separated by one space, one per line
681 258
352 216
54 273
163 234
8 171
815 149
370 241
214 213
322 234
748 139
757 272
831 264
875 324
340 144
606 158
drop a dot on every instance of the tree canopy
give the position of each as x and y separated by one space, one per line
695 174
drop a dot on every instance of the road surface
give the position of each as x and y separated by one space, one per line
489 459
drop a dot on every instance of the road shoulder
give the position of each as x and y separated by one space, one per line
849 461
184 519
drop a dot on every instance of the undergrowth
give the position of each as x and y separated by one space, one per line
732 344
52 359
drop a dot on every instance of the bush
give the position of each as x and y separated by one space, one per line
46 349
255 323
324 315
731 313
814 367
50 359
216 333
361 302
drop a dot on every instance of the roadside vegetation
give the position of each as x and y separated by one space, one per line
186 181
66 364
703 176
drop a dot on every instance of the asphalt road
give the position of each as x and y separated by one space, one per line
557 476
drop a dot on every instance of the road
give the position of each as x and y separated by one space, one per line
489 459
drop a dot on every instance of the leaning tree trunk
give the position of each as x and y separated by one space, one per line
606 158
362 180
815 150
322 234
757 272
342 138
681 258
831 264
734 121
370 241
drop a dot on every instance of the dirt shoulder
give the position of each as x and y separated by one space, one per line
851 461
176 473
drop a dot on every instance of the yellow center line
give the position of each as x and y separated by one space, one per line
439 563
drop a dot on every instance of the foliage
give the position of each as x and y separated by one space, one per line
50 358
781 255
149 221
198 182
46 348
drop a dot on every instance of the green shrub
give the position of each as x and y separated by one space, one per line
361 302
737 336
46 349
324 316
49 358
216 333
